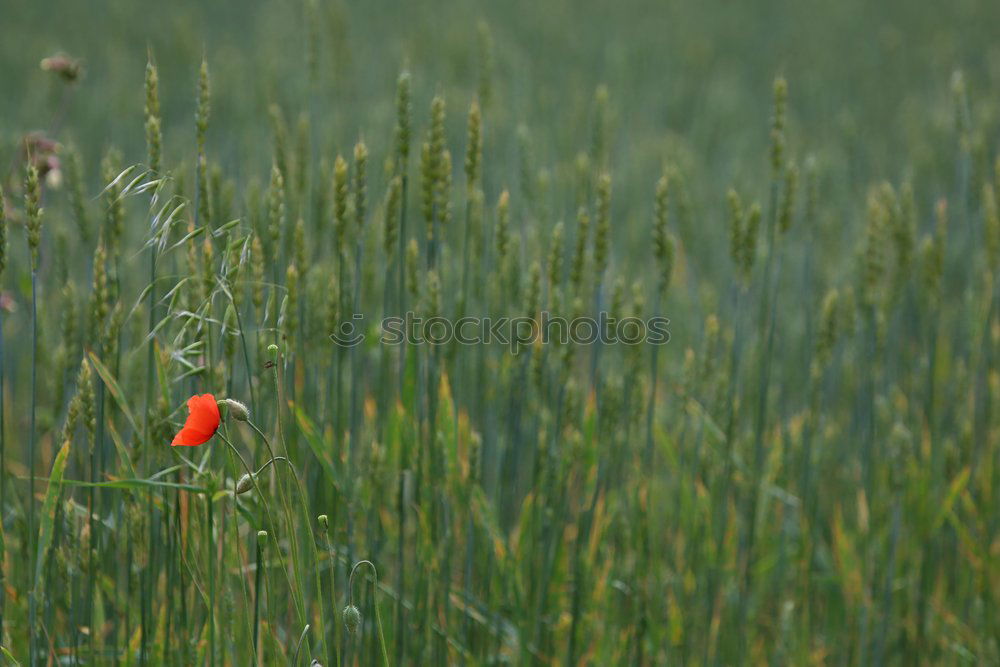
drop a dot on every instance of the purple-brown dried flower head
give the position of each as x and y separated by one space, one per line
69 69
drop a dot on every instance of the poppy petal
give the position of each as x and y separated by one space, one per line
191 437
202 421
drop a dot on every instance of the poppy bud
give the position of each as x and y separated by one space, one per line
261 537
238 411
352 618
324 522
244 484
272 349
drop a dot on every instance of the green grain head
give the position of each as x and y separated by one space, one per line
602 226
360 189
33 213
474 147
154 134
403 113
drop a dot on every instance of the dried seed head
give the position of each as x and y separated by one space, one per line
67 68
352 618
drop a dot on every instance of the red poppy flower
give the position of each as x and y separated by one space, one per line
202 422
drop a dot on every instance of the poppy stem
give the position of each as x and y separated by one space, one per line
211 581
378 617
257 590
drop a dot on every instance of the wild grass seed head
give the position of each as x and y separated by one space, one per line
503 227
602 226
360 190
474 146
442 190
74 173
341 193
154 132
33 213
203 109
393 201
778 126
578 265
403 114
786 209
663 242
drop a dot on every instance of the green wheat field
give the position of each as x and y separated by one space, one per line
211 197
